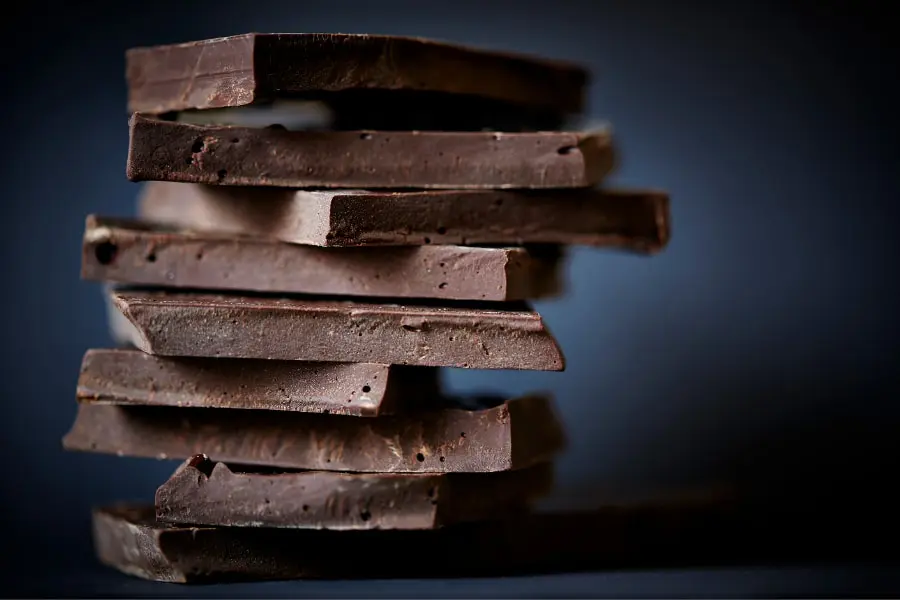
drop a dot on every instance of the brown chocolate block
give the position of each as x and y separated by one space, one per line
356 389
202 492
143 254
514 435
497 336
242 156
249 68
628 219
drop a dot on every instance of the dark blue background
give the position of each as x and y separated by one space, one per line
761 345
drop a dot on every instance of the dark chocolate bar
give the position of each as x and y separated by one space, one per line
504 336
139 253
634 220
250 68
242 156
356 389
514 435
202 492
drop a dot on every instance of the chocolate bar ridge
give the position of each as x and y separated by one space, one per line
243 156
635 220
432 441
202 492
123 376
254 67
140 254
510 336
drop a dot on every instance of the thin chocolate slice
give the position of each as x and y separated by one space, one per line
633 220
514 435
202 492
254 67
144 254
496 336
242 156
356 389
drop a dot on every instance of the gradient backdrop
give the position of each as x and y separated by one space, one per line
761 344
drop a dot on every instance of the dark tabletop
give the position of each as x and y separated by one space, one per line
834 580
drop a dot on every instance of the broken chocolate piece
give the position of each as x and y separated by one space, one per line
356 389
515 435
504 336
249 68
240 156
139 253
202 492
628 219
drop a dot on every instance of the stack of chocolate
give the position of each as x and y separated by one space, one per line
328 221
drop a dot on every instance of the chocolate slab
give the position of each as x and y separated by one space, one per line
202 492
476 336
515 435
356 389
143 254
633 220
242 156
253 67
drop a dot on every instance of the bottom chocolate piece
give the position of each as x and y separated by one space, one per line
128 538
202 492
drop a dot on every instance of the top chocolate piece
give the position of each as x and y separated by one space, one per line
255 68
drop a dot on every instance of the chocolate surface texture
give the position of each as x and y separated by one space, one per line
240 156
202 492
518 434
510 336
358 389
253 67
635 220
138 253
